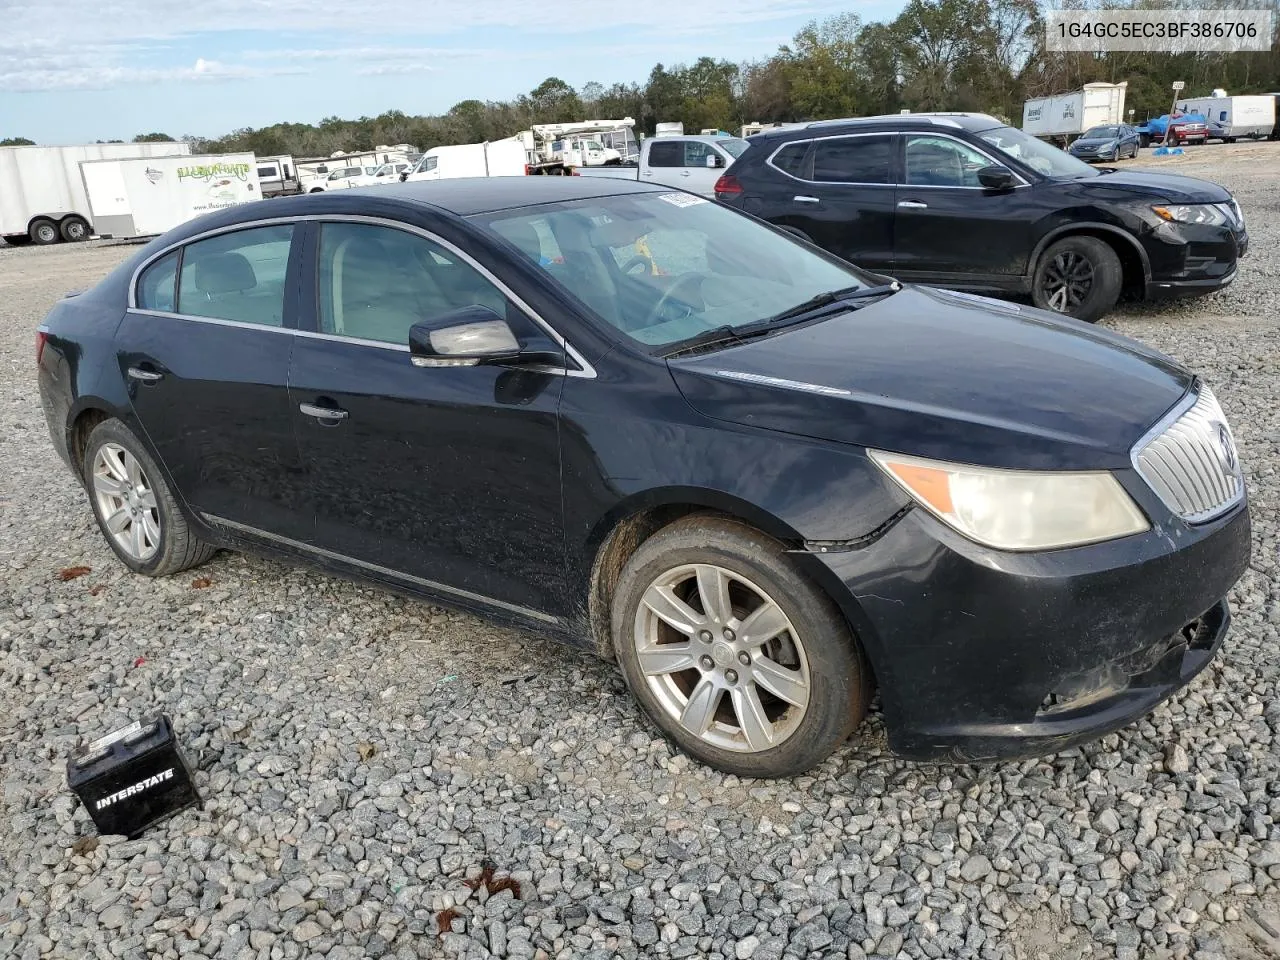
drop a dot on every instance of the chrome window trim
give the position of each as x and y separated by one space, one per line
375 568
891 133
586 371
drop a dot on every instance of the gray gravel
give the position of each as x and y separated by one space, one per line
362 755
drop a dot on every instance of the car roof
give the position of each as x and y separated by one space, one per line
465 196
972 122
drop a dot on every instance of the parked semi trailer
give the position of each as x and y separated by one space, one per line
1068 115
42 194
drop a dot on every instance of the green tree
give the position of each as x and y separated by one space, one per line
17 142
152 138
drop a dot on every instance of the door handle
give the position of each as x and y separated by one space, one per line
145 376
806 199
684 173
913 204
322 413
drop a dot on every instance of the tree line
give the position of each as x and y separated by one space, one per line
972 55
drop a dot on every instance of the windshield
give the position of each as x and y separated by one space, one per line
1101 133
663 267
733 146
1041 157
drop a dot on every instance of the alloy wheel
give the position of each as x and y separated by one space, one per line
126 502
1068 278
721 658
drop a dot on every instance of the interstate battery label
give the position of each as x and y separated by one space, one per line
134 788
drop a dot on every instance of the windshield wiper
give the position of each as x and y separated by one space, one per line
828 298
779 321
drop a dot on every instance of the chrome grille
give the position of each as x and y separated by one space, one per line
1190 461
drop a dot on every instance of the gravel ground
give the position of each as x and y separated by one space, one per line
362 755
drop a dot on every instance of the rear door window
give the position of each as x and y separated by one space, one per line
864 159
790 159
237 276
158 285
670 154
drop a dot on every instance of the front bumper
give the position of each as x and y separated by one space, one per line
983 654
1192 259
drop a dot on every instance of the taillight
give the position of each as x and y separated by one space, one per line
728 184
41 338
526 170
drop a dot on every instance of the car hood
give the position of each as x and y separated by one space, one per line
1132 184
1094 141
945 375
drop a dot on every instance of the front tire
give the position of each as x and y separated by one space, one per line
134 507
1078 276
43 232
734 655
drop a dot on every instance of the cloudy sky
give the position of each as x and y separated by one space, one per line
81 70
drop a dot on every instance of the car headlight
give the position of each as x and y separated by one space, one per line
1110 145
1017 509
1204 213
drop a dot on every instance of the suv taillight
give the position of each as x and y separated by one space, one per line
41 338
728 185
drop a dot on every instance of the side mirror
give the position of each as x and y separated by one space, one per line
996 177
474 335
404 177
462 338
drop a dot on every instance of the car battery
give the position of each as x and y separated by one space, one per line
133 777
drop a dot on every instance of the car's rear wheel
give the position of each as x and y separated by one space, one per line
74 229
736 657
1078 276
43 232
135 509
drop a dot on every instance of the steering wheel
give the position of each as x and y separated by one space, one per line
687 279
630 265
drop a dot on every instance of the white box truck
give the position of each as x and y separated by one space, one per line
145 197
42 194
1234 118
499 158
1068 115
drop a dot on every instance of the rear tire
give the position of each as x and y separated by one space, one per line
43 232
136 512
74 229
768 681
1078 276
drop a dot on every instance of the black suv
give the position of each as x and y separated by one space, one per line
961 200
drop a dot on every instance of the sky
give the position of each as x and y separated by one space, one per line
75 71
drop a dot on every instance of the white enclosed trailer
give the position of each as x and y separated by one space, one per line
42 194
1234 118
145 197
1071 114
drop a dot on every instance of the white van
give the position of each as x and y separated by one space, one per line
501 158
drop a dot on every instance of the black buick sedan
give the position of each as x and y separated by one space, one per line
761 479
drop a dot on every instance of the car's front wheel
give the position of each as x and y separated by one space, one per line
135 509
1079 276
740 660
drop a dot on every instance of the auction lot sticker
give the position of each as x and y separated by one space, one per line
682 199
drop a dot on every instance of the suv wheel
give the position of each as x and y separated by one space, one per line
135 510
1078 276
736 657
